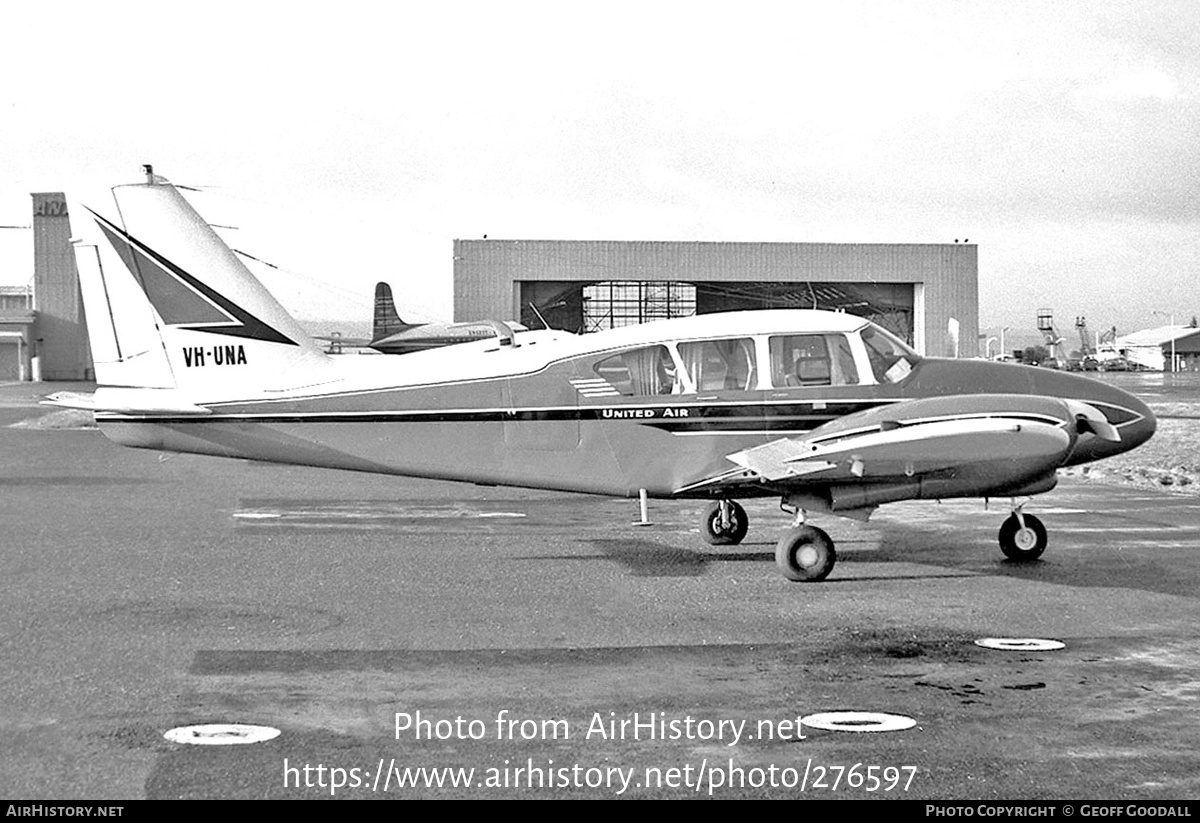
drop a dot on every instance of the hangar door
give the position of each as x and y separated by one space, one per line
586 307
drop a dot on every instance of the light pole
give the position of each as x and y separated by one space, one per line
1003 351
1171 318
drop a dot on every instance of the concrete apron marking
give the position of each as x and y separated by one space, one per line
363 513
1020 644
858 722
221 734
1132 527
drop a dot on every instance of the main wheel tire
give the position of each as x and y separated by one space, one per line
739 524
805 554
1022 543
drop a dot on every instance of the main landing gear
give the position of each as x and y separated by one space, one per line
725 523
805 553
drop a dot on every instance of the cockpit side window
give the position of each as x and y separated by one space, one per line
720 365
891 361
639 372
812 360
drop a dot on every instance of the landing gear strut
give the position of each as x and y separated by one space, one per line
1022 536
724 523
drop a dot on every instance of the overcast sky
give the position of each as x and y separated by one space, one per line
351 142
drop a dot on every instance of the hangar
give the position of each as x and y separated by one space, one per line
927 294
60 332
42 331
1168 348
16 324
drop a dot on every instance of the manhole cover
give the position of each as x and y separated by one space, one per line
858 722
221 734
1020 644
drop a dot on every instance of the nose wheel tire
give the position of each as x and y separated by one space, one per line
805 554
1022 542
717 533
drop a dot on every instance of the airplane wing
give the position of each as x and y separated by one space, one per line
963 445
907 450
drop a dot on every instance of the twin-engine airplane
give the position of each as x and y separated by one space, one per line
826 411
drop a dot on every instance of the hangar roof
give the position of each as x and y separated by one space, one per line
1157 337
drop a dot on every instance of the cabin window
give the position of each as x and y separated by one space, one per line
647 371
720 365
891 360
812 360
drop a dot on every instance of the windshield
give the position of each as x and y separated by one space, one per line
891 359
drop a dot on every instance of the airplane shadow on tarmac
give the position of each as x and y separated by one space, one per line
1109 561
645 558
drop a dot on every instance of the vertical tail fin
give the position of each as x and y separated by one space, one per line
170 306
387 321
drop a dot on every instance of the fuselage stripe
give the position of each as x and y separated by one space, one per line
680 419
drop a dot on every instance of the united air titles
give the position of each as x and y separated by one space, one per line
622 414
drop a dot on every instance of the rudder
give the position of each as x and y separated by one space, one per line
387 320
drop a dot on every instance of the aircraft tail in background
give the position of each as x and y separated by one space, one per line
387 320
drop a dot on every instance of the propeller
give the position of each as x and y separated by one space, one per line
1089 420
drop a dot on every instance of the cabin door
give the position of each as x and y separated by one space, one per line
541 414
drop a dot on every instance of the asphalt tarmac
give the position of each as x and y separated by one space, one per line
387 625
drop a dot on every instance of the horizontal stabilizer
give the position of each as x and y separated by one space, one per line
127 401
70 400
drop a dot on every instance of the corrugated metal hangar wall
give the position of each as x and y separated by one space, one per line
912 289
59 330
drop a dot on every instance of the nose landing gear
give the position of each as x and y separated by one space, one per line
1022 536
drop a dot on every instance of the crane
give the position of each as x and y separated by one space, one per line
1087 352
1054 341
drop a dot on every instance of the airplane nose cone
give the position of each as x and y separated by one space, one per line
1138 432
1132 418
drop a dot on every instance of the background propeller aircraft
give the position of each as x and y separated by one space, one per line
391 335
826 411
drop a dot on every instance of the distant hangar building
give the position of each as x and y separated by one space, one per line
42 331
928 294
1154 349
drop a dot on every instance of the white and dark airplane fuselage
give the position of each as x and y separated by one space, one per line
538 415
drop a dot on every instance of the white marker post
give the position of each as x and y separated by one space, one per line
643 499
